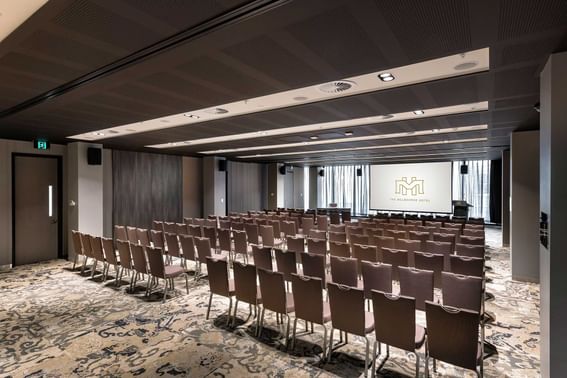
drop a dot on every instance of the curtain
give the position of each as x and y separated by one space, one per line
473 187
342 186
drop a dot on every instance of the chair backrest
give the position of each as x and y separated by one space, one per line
452 335
172 244
432 262
143 236
295 243
376 276
470 250
245 287
139 261
447 238
225 223
394 320
211 233
109 251
384 242
225 244
286 262
262 257
155 260
308 298
418 284
422 237
211 222
124 253
157 225
317 234
157 238
337 236
187 247
314 266
344 271
339 249
307 223
86 242
195 230
337 228
272 287
96 248
237 226
199 221
169 227
440 248
468 266
472 226
77 244
411 246
396 258
289 228
396 234
347 308
240 242
120 233
472 240
203 246
479 233
252 233
218 276
317 246
132 233
322 222
267 234
345 215
188 220
462 291
335 218
358 239
276 225
181 229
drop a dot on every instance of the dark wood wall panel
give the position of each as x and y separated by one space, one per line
246 186
146 187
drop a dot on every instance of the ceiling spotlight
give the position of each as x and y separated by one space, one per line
216 111
386 76
191 115
313 137
445 141
435 130
348 133
418 112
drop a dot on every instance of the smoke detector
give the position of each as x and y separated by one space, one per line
338 86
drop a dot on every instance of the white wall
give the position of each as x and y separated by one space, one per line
7 147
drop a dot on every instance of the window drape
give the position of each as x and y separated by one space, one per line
473 187
342 186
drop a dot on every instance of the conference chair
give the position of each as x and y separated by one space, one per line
87 249
473 232
289 228
339 249
188 221
111 259
396 234
440 248
211 233
358 239
345 215
98 255
307 223
195 230
188 251
337 228
470 250
132 233
432 262
203 246
472 226
335 218
418 284
246 289
262 257
120 233
173 249
225 242
211 223
337 236
414 222
395 257
157 225
364 253
394 322
447 238
348 315
314 265
457 226
169 227
468 266
411 246
219 283
125 255
428 229
199 221
139 266
181 229
422 237
344 271
143 237
268 238
471 240
240 244
317 246
159 270
376 276
157 238
77 247
322 222
225 224
317 234
252 233
397 221
286 263
383 242
452 337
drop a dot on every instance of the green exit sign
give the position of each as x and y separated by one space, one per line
41 144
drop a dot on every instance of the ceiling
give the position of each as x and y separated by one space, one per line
79 66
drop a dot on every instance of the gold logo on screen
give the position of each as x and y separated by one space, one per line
412 186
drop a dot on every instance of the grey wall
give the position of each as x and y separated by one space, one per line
214 187
506 198
273 185
107 194
298 187
192 187
313 181
553 202
146 187
524 190
246 188
7 147
288 197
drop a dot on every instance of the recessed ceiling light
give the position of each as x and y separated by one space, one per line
194 116
445 141
435 130
465 66
313 137
418 112
348 133
386 76
216 111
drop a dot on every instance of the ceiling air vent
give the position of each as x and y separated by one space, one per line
465 66
338 86
216 111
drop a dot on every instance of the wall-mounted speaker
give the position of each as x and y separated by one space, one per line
94 156
464 169
282 169
359 172
321 172
222 165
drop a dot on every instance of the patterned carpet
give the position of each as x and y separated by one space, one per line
56 323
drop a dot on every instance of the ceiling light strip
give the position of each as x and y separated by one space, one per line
421 72
431 143
406 134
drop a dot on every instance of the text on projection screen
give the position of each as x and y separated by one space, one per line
422 187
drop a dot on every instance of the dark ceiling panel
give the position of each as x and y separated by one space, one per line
519 18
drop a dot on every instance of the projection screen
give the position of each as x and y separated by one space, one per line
423 187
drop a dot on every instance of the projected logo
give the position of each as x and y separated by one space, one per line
409 187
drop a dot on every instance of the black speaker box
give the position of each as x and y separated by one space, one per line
222 165
464 169
282 170
94 156
359 172
322 172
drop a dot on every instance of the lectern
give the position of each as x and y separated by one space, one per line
461 209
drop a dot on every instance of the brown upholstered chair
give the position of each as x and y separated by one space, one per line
479 233
411 246
139 265
335 218
337 228
317 234
225 243
111 259
364 253
468 266
125 255
157 238
203 246
432 262
418 284
309 304
395 257
396 234
132 233
348 315
262 257
440 248
219 283
472 240
211 233
452 337
447 238
322 222
307 223
470 250
143 236
286 262
120 233
289 228
188 251
173 249
159 270
97 254
359 239
383 242
77 247
423 237
195 230
252 233
169 227
295 243
240 244
337 236
317 246
394 322
314 266
245 288
268 236
275 298
376 276
339 249
157 225
344 271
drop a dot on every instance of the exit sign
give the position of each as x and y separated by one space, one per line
41 144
